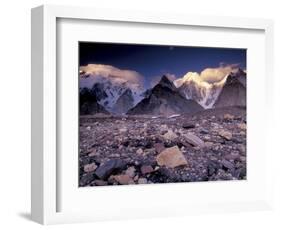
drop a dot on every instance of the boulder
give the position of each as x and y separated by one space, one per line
213 167
209 144
171 157
123 130
226 135
131 171
188 125
170 135
93 153
232 156
123 179
86 179
100 183
110 166
159 147
194 140
90 167
228 117
242 126
139 151
227 164
145 169
204 131
142 181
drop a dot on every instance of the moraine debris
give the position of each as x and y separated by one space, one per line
140 149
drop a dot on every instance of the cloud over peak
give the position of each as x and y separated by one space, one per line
108 71
208 76
212 75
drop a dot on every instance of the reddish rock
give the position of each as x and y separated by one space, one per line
170 135
159 147
228 117
100 182
242 126
123 179
90 167
232 156
226 134
171 157
145 169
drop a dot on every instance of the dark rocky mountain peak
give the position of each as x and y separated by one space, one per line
233 92
124 102
165 82
89 104
164 99
235 77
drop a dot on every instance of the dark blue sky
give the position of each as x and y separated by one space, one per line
156 60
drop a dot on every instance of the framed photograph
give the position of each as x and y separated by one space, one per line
141 114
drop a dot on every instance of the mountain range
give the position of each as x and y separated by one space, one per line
116 95
189 94
165 99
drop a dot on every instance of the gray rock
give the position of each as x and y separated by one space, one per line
188 125
106 169
225 134
243 158
242 149
159 147
86 179
170 135
100 183
232 156
169 174
213 167
204 131
243 173
131 171
223 175
93 153
227 164
139 151
142 181
90 167
194 140
236 173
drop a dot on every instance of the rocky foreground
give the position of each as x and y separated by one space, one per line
207 146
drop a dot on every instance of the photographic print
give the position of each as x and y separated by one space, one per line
153 114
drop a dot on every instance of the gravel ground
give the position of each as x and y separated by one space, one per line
207 146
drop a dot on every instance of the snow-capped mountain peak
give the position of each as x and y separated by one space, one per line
191 77
193 87
109 88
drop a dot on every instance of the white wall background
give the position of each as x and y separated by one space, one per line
15 112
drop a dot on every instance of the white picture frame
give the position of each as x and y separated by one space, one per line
45 162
